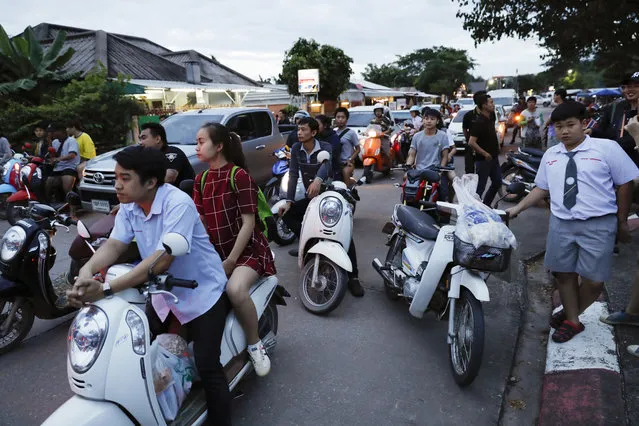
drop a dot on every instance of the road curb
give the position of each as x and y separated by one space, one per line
582 383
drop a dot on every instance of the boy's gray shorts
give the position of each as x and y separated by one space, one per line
582 246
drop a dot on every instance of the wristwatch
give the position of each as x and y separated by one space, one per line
106 288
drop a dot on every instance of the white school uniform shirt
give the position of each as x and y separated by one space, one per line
601 165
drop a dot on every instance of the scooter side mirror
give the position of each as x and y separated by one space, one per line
51 150
83 231
323 156
517 188
27 145
175 244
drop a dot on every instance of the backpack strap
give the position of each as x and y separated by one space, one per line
233 171
203 180
343 133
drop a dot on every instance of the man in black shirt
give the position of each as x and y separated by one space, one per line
178 166
467 123
484 141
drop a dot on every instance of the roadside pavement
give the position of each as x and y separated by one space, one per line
592 379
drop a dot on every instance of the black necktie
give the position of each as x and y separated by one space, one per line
570 182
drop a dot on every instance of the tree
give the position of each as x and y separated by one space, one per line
333 64
98 102
26 70
570 30
388 75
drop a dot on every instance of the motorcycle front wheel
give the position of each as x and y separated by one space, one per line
368 173
509 176
19 327
327 292
281 234
467 347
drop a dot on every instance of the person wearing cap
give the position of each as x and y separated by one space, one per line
292 137
484 141
430 147
580 174
416 118
617 115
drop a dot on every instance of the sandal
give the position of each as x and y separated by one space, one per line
557 319
567 331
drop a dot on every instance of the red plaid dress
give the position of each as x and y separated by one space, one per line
222 209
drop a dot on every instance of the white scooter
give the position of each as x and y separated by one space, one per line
428 266
110 354
326 235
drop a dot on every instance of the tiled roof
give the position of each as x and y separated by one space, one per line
133 56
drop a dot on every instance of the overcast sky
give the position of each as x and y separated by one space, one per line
251 36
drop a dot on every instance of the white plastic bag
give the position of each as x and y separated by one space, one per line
173 373
478 224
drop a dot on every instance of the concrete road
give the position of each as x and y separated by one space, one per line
368 362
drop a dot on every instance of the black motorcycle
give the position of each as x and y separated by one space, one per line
520 166
26 257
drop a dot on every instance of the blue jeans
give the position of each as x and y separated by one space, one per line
486 169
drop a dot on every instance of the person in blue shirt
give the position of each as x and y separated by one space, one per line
149 210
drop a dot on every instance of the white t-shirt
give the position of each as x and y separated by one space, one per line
529 116
601 165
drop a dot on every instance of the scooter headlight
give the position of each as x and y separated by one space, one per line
330 211
86 338
12 242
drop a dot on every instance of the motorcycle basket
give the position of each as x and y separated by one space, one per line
484 258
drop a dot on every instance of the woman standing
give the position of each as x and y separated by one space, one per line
226 198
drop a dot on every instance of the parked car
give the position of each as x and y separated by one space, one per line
545 99
256 127
400 116
505 97
464 103
455 127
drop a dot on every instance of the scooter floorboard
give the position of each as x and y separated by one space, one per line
192 408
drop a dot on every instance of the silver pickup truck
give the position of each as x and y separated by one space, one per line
257 128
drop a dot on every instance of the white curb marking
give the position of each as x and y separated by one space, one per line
592 348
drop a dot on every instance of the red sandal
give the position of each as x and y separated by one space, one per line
567 331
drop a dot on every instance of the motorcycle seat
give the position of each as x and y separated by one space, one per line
532 151
423 174
417 222
533 161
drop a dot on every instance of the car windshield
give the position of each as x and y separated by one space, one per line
460 116
182 129
503 101
401 116
463 102
360 119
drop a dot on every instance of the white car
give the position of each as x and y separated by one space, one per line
464 103
457 132
545 99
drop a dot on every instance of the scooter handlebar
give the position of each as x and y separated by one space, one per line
177 282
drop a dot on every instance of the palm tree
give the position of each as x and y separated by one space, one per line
26 69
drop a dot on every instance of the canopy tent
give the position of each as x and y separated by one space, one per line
584 93
607 92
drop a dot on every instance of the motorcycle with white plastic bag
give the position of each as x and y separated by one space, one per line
120 377
439 268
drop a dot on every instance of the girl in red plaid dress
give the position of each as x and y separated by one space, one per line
229 215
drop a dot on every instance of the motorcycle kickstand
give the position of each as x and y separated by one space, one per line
440 316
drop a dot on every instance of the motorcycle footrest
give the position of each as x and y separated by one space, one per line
388 228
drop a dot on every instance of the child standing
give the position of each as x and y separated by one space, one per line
581 174
226 198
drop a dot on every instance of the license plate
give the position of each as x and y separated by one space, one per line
101 206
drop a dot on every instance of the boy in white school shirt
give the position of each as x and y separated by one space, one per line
581 174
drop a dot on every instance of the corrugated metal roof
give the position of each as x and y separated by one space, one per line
209 67
145 44
183 85
84 58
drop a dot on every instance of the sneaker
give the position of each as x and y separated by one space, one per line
355 287
259 358
294 252
633 350
621 317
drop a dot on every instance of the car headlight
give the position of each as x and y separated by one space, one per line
12 243
330 211
86 338
138 335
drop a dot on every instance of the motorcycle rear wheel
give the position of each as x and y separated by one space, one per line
327 294
467 347
21 325
509 176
